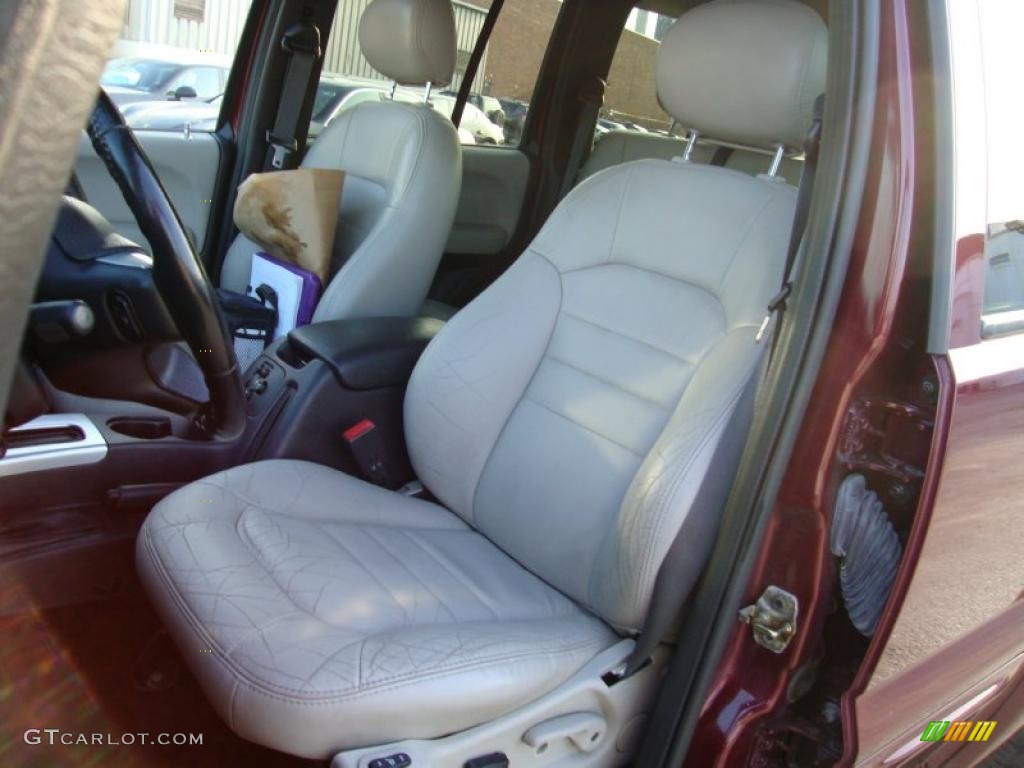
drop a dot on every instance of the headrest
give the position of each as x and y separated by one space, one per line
410 41
745 71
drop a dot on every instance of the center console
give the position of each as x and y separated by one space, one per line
308 388
302 394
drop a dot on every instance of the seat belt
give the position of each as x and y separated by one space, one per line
666 603
592 98
302 44
803 206
675 570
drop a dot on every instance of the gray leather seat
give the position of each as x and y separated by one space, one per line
403 165
564 420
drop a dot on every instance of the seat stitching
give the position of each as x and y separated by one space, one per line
325 520
341 695
369 571
442 561
663 503
515 405
593 431
257 683
647 344
615 385
414 575
649 546
618 217
743 240
674 278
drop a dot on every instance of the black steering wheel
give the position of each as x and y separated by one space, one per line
177 272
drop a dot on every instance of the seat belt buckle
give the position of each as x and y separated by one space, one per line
282 149
367 448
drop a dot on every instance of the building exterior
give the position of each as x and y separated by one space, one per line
211 28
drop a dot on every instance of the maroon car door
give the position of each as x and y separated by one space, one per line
949 683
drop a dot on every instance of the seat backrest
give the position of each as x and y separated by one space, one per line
403 172
570 412
616 147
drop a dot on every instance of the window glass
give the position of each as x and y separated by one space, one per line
503 85
165 46
1003 64
205 81
631 100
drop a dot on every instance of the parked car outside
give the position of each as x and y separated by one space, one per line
489 105
515 118
133 79
474 121
334 95
196 114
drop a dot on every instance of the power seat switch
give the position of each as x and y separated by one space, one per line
367 447
493 760
397 760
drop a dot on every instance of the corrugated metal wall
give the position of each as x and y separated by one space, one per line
153 21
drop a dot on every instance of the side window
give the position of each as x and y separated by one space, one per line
631 100
503 84
205 81
1003 63
164 46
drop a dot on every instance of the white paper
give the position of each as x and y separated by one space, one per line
287 285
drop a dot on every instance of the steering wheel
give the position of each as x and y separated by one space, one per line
177 271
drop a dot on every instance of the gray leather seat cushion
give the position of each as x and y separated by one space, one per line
346 603
571 410
566 419
403 173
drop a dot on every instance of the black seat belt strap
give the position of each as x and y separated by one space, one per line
803 206
674 578
302 44
592 99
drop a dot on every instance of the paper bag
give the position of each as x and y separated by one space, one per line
292 215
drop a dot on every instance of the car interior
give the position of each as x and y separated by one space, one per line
430 527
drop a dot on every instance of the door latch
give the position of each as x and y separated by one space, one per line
772 619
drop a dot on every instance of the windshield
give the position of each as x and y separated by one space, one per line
140 74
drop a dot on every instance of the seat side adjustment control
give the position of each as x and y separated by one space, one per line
397 760
582 729
493 760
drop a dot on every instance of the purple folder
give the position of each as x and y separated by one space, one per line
298 290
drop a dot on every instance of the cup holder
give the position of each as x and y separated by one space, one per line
141 429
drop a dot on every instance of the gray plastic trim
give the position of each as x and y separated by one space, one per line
90 449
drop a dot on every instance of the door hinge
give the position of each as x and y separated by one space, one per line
772 619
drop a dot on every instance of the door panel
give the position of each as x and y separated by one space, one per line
493 186
186 167
956 650
958 635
